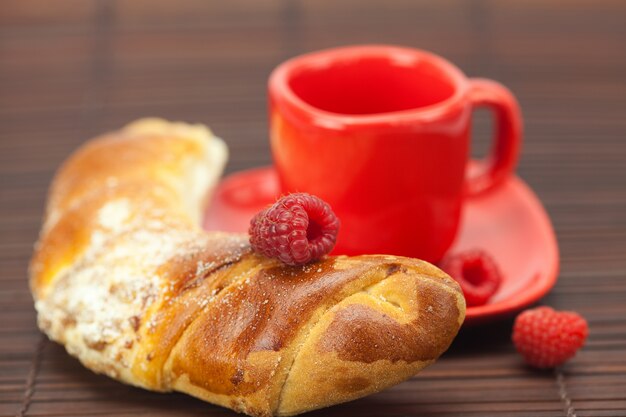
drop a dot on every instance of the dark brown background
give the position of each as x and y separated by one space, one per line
73 68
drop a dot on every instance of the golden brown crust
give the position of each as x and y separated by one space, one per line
415 311
124 276
361 333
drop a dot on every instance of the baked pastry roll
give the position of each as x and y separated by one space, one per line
127 280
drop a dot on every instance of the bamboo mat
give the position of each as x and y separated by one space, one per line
70 69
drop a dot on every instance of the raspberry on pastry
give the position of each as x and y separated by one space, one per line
297 229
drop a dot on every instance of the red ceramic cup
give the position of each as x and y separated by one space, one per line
382 133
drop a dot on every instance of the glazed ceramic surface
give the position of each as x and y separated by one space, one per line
383 134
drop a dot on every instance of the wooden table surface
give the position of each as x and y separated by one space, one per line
70 69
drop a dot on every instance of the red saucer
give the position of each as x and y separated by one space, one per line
509 223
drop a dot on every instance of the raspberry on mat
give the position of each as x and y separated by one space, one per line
547 338
297 229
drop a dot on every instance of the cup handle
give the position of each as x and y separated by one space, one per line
490 171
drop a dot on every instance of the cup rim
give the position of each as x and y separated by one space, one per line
280 90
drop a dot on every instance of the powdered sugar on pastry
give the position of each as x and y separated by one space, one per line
113 215
95 305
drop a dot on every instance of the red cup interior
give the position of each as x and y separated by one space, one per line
374 84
